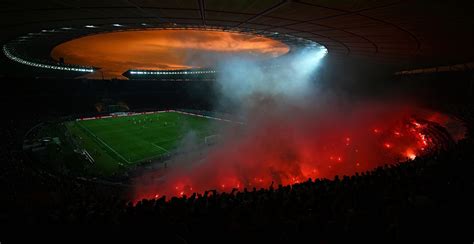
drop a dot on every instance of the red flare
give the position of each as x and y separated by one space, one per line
281 149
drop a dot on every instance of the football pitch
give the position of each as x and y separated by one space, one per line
121 142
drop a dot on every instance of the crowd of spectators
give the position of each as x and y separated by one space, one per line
430 195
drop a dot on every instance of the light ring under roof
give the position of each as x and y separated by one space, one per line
34 48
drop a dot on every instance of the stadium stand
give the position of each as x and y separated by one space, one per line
428 195
409 198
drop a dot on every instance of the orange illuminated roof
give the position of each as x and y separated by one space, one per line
117 52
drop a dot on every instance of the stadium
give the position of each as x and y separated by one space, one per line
238 121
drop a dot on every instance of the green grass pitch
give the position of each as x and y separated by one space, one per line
126 141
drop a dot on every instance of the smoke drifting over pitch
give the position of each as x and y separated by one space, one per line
290 78
292 132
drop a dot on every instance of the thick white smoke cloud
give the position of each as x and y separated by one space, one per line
291 132
265 95
289 77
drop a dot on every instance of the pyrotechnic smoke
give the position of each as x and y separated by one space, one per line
290 78
291 133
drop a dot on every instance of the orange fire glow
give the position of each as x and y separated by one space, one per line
117 52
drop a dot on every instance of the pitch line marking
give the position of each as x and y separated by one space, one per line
105 144
160 147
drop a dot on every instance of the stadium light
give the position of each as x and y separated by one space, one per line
9 55
140 72
309 58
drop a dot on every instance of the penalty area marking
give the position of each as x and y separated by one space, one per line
105 144
144 159
160 147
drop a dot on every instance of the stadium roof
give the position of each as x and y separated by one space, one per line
405 33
